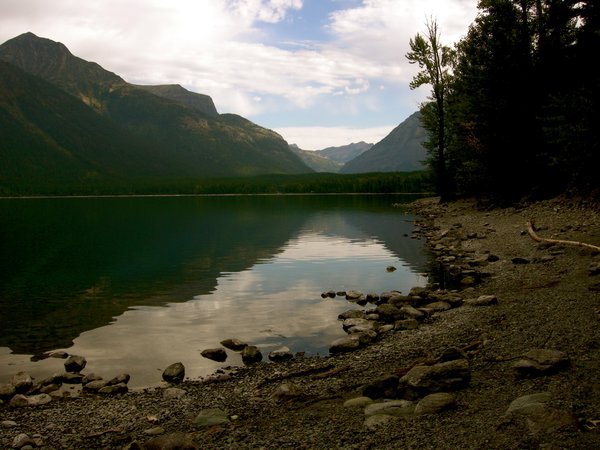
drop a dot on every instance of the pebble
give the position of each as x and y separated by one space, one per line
8 424
154 431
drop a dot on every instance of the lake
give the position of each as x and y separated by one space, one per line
135 284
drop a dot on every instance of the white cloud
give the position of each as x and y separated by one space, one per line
317 138
218 47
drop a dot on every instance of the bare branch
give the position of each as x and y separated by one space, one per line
535 237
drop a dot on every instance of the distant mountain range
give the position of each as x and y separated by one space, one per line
330 159
400 151
67 120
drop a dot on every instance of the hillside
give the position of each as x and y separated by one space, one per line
47 136
399 151
124 130
316 161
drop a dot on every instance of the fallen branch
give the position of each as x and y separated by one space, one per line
300 373
535 237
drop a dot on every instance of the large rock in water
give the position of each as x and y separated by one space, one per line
22 382
75 364
216 354
424 380
251 355
234 344
175 373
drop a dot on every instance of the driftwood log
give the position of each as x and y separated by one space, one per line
535 237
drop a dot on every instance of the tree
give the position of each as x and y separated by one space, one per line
434 61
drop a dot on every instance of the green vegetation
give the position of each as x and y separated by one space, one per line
317 183
522 105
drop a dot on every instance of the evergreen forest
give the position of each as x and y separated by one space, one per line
514 106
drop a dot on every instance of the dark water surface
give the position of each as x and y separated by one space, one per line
135 284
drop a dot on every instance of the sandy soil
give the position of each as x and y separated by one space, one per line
549 299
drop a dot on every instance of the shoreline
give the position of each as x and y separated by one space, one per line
279 194
548 302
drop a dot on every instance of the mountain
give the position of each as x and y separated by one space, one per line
199 102
315 161
48 136
399 151
345 153
89 122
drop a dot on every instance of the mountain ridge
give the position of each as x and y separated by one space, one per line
176 137
400 151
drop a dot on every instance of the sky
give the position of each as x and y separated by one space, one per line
319 72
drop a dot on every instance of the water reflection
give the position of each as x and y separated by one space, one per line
246 268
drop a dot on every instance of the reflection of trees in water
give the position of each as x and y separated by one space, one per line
68 266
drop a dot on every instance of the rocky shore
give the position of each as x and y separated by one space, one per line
502 351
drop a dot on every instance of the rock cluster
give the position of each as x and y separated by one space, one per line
24 391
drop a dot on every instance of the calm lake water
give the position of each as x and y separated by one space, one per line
135 284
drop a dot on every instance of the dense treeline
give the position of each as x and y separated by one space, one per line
318 183
521 107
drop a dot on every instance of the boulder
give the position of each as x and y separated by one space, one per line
435 403
22 440
251 354
20 400
94 386
345 344
281 354
22 382
115 389
90 377
445 376
401 300
72 378
175 373
234 344
541 361
534 412
419 292
328 294
7 391
389 313
352 314
122 378
353 295
359 324
372 297
409 312
75 364
215 354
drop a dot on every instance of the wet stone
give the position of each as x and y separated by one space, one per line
251 355
214 354
234 344
75 364
175 373
22 382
